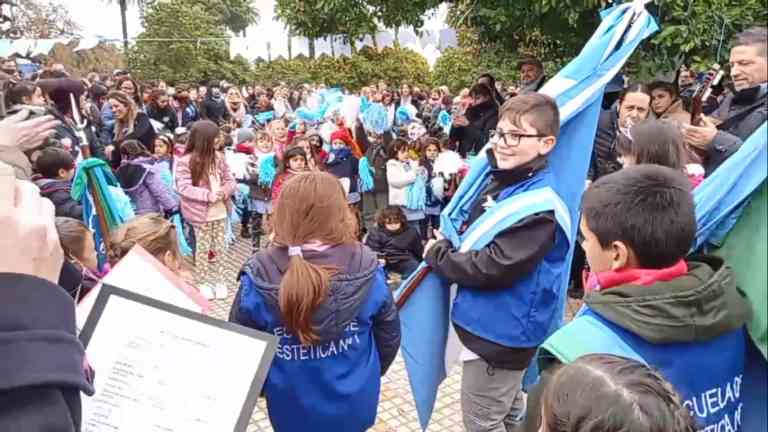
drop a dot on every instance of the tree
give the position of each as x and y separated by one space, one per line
697 33
236 15
202 53
123 10
351 19
45 19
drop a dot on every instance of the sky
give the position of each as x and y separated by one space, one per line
100 19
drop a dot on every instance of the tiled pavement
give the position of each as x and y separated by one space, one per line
397 412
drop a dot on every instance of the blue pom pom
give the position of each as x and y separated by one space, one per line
265 117
365 171
375 118
310 116
445 121
267 171
416 194
364 104
186 250
405 114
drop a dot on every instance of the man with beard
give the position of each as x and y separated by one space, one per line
531 75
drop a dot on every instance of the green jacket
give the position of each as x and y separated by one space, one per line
744 249
696 307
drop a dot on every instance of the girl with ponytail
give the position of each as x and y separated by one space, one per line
602 393
325 296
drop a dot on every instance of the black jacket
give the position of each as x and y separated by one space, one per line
605 158
43 361
511 255
166 116
741 114
215 110
482 119
397 247
60 193
143 131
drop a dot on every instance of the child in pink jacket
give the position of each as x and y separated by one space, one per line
205 186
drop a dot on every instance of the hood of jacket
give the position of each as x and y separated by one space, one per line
357 266
699 306
38 344
48 186
131 174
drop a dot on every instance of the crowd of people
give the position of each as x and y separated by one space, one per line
338 207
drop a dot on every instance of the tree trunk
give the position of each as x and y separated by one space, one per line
123 10
352 46
333 48
375 42
311 48
290 48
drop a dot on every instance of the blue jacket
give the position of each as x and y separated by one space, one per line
690 328
521 315
332 386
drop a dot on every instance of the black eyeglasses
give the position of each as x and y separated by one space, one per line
512 138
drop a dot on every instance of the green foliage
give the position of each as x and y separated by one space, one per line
185 60
547 29
317 19
394 65
351 19
696 32
555 30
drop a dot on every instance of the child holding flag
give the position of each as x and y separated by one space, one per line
509 288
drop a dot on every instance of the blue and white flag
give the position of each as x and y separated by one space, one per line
723 195
429 345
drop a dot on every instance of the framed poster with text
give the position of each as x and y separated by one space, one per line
160 367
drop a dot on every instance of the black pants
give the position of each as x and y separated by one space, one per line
403 267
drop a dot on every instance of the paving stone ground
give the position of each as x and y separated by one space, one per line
397 412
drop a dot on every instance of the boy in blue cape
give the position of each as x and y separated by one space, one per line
508 291
645 301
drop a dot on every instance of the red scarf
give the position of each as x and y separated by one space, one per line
633 276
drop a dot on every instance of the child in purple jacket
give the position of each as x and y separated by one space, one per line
142 181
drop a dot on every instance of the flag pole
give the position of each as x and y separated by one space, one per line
85 151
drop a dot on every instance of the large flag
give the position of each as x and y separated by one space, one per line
429 345
99 192
721 198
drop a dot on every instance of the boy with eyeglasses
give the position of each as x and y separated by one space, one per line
508 291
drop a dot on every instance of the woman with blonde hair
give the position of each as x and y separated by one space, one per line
130 123
325 296
152 232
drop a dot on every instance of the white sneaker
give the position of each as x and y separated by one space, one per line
206 291
220 290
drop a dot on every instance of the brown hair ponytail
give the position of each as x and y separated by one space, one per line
312 208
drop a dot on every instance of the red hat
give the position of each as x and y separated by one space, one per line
342 135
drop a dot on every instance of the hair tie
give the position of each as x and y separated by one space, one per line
295 251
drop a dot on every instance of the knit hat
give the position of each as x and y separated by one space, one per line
244 135
342 135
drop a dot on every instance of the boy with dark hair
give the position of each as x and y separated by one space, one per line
645 302
55 169
509 283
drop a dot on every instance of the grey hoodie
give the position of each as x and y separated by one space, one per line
350 288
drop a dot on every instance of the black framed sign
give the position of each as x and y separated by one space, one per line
164 368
